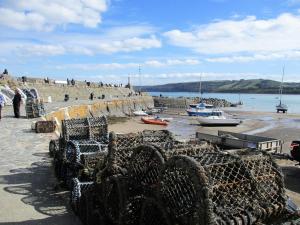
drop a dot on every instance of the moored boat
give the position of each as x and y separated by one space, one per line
140 113
218 119
281 107
201 110
154 121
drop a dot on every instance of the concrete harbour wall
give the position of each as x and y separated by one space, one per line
116 107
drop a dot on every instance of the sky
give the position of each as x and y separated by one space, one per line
169 40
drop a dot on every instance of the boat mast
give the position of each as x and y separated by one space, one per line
281 85
140 78
200 88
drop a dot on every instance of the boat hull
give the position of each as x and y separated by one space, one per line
154 121
218 122
140 113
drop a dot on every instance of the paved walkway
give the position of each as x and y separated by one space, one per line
27 184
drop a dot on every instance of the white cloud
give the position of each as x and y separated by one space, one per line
116 66
41 50
249 35
43 15
291 55
79 45
127 45
172 62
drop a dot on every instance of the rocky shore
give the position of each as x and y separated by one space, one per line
182 102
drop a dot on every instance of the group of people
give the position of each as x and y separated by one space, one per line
16 104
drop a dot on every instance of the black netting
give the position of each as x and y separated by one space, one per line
153 213
220 188
85 129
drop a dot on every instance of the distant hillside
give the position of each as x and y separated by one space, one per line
228 86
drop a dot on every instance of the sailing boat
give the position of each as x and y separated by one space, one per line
201 108
281 107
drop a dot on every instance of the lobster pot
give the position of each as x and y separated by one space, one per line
161 138
147 161
90 163
77 188
84 129
98 129
120 149
75 129
45 126
190 149
145 165
34 108
76 149
53 147
218 188
153 213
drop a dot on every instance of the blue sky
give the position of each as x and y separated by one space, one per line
172 40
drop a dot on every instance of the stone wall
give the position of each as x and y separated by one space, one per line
116 107
80 92
185 102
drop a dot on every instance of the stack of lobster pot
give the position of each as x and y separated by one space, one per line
148 178
34 108
83 142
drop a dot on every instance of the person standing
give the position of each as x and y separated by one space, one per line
2 101
16 103
92 96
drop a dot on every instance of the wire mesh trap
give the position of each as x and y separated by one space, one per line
218 188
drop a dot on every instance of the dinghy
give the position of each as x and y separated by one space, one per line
154 121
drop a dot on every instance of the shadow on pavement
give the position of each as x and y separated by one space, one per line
37 185
55 220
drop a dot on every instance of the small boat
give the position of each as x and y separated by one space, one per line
140 113
201 110
218 119
281 107
167 119
154 121
208 106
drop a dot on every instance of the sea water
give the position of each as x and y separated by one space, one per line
251 102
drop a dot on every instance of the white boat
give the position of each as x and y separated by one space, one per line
201 110
207 106
140 113
218 119
281 107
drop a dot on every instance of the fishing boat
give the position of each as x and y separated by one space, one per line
281 107
218 119
154 121
208 106
140 113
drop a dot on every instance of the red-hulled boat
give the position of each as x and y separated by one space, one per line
155 121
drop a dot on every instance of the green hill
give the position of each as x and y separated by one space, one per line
228 86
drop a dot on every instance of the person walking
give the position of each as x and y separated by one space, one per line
16 103
2 101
